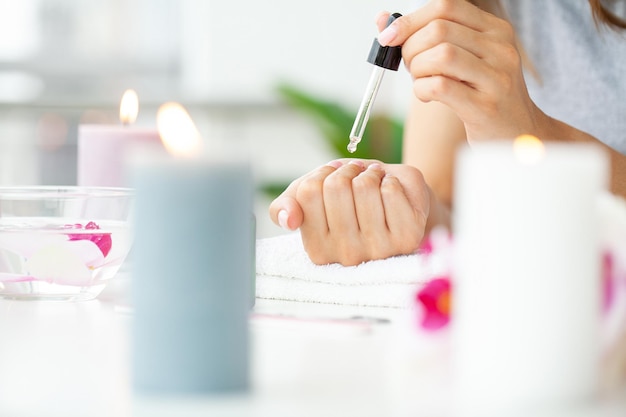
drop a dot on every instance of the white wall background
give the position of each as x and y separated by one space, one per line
238 50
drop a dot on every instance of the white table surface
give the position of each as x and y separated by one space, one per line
72 359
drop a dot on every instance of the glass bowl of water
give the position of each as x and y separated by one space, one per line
62 242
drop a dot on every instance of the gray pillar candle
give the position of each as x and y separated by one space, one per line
191 278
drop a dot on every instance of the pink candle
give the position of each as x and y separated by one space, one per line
103 150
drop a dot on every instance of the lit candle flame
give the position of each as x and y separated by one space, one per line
178 132
129 107
528 149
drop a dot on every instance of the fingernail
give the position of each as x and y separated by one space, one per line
357 163
387 35
283 217
375 165
335 164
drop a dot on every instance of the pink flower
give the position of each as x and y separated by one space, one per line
102 240
434 299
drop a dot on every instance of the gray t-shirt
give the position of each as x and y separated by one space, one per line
581 67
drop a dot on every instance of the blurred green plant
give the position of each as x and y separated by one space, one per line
381 140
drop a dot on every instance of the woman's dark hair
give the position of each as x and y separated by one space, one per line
603 15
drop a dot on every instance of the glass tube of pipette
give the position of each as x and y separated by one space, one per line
364 110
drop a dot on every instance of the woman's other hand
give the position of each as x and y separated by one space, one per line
467 59
351 211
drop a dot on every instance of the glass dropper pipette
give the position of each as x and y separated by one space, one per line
383 57
363 114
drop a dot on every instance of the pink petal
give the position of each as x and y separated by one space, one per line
434 321
65 263
7 277
428 297
102 240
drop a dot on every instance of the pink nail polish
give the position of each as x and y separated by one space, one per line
335 164
387 35
357 163
283 218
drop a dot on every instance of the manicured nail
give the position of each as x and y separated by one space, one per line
387 35
375 165
335 164
283 217
357 163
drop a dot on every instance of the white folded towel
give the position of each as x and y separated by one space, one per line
285 272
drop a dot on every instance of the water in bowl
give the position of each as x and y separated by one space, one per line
66 259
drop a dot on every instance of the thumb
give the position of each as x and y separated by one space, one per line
286 212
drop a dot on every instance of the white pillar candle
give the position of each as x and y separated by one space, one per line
103 150
526 293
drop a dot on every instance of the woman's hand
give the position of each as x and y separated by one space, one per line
467 59
351 211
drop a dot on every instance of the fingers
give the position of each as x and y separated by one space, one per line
285 211
460 11
368 202
404 225
455 39
460 53
439 32
450 61
381 20
334 236
352 212
467 59
310 196
454 94
339 200
405 184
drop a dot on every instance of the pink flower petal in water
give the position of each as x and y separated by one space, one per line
102 240
8 277
434 299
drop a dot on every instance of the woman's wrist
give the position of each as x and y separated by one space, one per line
439 213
